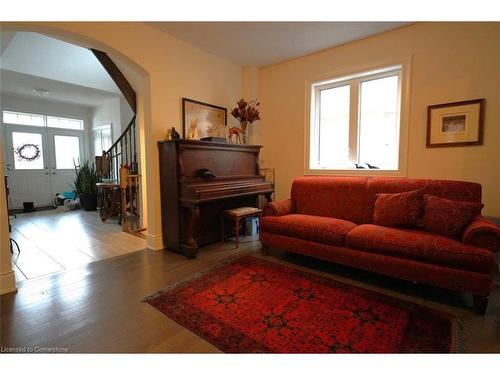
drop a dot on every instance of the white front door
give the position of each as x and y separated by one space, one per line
40 163
27 166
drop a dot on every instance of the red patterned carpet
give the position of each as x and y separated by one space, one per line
252 305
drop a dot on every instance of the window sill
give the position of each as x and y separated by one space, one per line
355 172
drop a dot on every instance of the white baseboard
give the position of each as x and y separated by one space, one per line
154 241
7 282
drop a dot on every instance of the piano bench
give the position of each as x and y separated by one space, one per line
236 215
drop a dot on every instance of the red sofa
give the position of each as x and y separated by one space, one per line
331 218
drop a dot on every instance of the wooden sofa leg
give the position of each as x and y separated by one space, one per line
480 304
265 249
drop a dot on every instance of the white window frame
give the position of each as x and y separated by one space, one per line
44 116
64 118
354 77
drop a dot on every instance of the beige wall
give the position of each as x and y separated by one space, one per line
450 62
169 69
250 91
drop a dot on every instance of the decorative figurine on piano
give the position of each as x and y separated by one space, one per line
172 135
168 136
235 131
175 134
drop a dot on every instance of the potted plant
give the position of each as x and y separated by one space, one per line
85 184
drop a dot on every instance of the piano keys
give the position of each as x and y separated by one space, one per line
192 205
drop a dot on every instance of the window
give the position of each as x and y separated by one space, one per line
355 121
67 150
18 118
30 119
103 139
64 123
28 150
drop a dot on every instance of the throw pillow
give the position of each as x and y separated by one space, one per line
399 209
448 217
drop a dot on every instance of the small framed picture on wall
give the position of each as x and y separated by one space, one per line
455 124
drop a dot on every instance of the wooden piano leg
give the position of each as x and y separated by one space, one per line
222 232
190 247
237 228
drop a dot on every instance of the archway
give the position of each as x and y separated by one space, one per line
139 79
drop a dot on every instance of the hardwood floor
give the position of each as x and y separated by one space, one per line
98 308
53 241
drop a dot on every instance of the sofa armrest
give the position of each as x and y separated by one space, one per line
482 232
279 208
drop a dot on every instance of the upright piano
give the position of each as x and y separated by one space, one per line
199 180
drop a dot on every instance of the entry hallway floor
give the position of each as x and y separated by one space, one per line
98 307
53 241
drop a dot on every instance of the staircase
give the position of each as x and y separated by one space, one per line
120 189
123 168
119 164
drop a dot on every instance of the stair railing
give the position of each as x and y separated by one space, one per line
122 169
123 152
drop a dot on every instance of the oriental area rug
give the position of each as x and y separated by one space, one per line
252 305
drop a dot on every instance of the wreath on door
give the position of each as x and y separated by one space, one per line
28 152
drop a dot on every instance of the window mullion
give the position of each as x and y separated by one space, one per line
353 121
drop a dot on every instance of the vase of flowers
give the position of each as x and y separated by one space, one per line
246 113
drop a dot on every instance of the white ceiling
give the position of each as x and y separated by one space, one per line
72 74
20 84
42 56
265 43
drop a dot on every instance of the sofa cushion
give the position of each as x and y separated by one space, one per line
448 217
399 209
421 246
343 198
456 190
325 230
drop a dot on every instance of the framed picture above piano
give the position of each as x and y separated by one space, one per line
202 120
